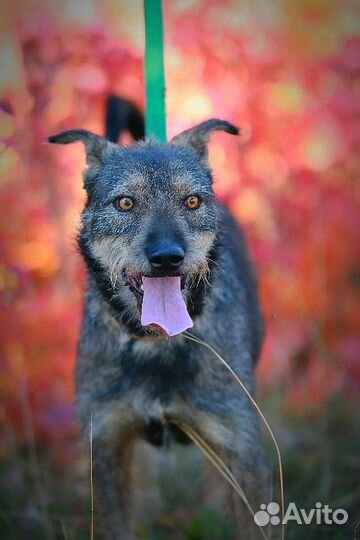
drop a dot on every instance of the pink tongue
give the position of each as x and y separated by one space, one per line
164 305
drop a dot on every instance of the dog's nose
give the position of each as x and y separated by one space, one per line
166 257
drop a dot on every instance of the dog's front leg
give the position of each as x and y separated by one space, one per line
112 473
236 441
251 474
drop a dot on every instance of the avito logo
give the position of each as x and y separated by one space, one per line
321 514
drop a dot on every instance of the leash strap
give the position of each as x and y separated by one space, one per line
155 123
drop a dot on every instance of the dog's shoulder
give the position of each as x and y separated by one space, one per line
237 279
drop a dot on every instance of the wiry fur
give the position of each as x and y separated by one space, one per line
134 383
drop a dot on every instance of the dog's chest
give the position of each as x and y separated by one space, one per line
158 370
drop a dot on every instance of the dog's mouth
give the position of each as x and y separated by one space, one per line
160 301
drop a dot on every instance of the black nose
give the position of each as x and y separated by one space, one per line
166 257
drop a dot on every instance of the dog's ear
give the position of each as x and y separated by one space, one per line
197 138
95 145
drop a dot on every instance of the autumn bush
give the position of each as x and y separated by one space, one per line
288 74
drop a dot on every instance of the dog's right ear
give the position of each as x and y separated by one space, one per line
95 145
197 137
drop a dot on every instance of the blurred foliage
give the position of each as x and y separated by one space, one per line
321 463
287 72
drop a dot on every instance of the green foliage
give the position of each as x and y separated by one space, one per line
208 525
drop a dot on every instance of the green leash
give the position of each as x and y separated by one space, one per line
155 123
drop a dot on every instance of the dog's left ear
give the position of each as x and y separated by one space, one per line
95 145
197 138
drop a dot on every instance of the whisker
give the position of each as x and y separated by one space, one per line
206 280
216 263
198 279
114 276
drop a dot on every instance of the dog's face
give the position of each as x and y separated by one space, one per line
150 210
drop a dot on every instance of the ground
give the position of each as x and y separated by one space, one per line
43 499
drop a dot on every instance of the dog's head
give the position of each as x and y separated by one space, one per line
150 213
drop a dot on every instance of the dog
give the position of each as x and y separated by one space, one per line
164 256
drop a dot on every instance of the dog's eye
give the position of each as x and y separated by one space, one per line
193 202
124 203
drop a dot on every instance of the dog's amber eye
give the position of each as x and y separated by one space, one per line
193 202
124 203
